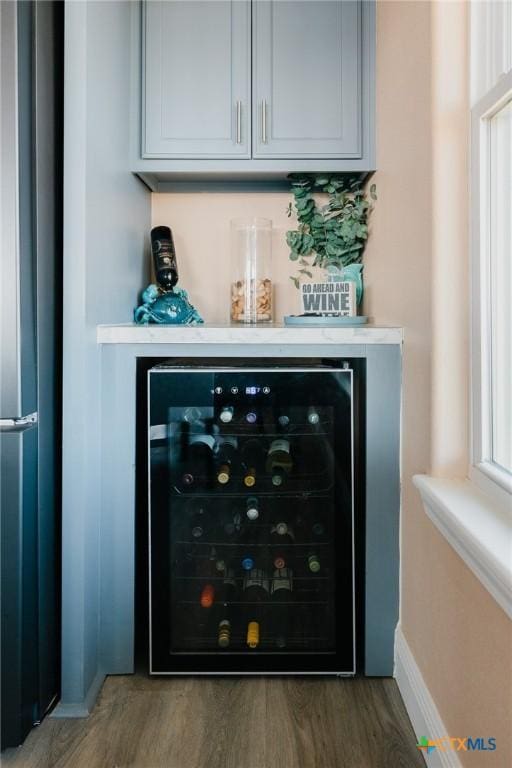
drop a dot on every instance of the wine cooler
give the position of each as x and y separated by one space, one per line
251 518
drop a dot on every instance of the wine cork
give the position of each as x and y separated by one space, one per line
251 301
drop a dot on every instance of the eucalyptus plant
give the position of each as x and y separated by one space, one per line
334 234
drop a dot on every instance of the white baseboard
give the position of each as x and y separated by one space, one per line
81 708
420 706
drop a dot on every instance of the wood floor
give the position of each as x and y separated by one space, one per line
230 723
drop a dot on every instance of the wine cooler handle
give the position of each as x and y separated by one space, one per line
239 122
264 121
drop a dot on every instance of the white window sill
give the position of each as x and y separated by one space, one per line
478 528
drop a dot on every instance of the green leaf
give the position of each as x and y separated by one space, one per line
308 242
306 272
295 281
335 232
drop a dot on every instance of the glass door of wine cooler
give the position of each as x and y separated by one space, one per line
251 520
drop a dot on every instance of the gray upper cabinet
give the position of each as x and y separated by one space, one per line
307 78
252 88
197 78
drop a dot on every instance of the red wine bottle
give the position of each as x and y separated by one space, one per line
164 257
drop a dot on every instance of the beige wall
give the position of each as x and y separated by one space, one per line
201 229
459 636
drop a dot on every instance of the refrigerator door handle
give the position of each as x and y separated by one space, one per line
18 423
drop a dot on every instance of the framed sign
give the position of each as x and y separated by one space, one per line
328 298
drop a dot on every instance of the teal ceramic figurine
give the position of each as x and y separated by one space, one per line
171 307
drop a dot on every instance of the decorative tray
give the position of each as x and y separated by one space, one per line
324 320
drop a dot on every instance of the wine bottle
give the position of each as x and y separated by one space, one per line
252 461
255 592
229 587
207 596
199 458
247 562
313 562
220 563
193 415
197 519
197 528
226 414
232 523
281 592
256 586
282 534
313 416
224 633
164 257
252 508
254 543
251 417
253 634
281 628
318 529
283 421
281 538
279 461
282 585
229 594
206 565
226 456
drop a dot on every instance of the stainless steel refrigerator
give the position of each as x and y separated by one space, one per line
30 231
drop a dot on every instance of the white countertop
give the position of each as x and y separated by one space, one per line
129 333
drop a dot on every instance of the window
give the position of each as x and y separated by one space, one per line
491 202
500 299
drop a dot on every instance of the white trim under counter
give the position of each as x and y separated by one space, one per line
130 333
478 528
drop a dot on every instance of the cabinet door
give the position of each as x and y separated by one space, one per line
196 79
307 61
